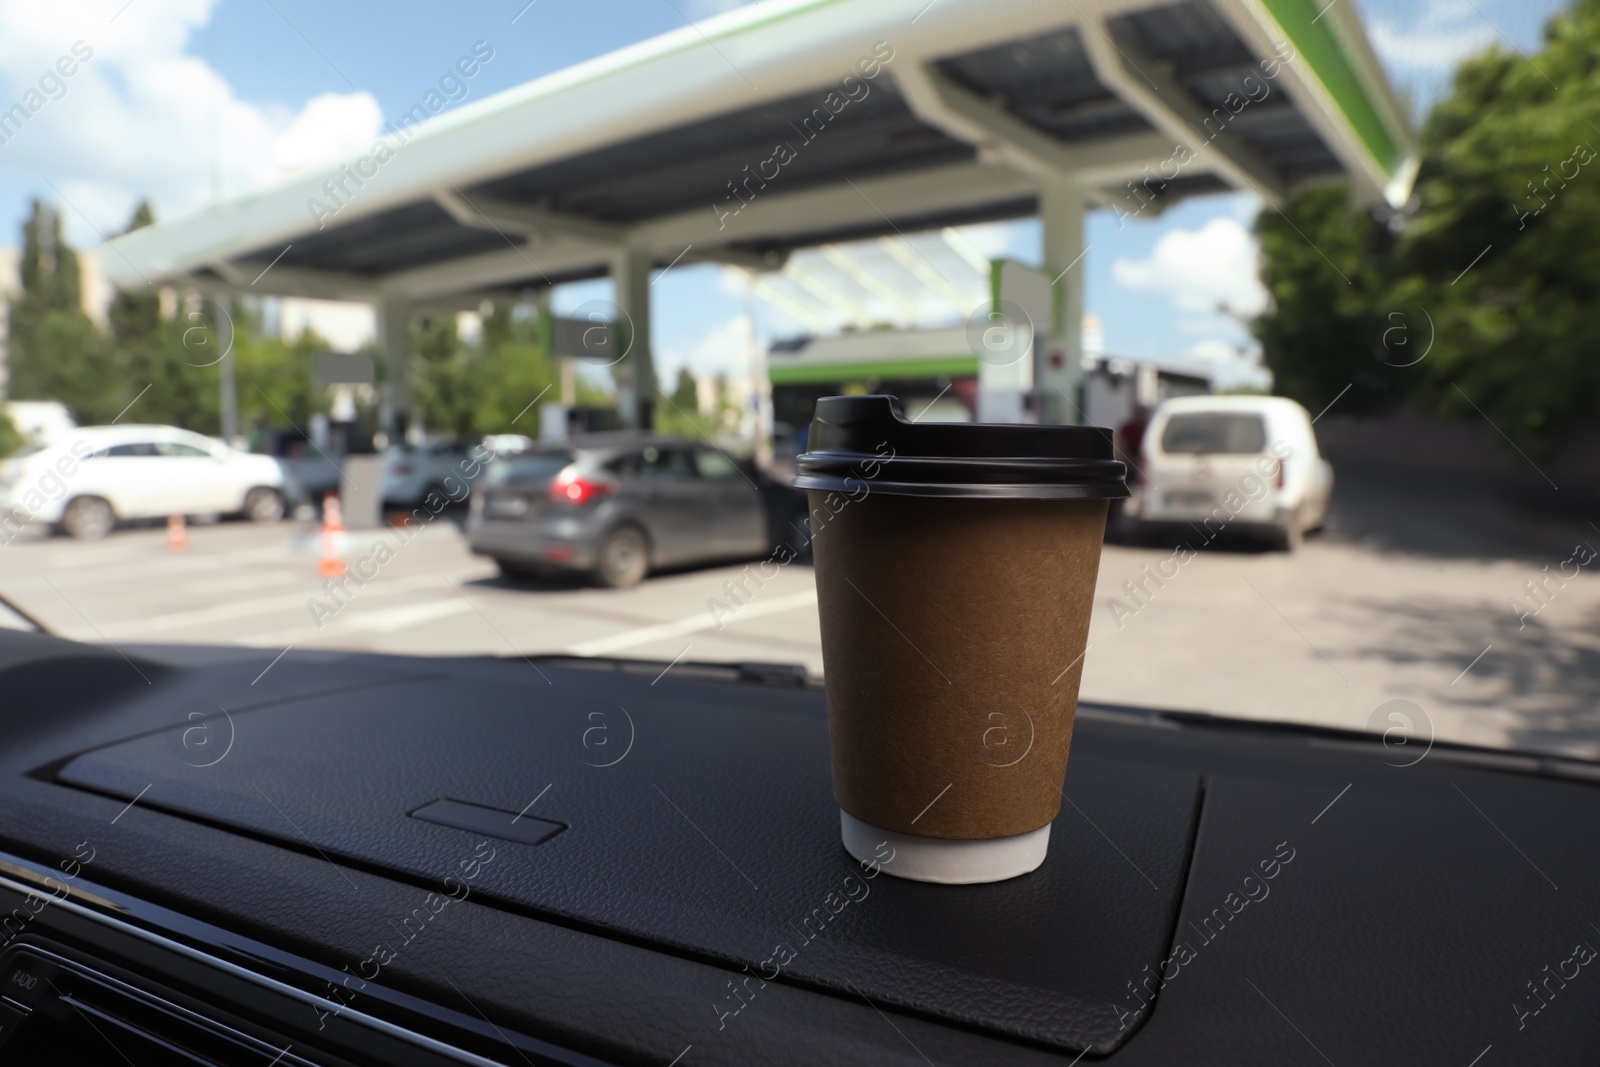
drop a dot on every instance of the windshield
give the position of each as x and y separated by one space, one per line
1228 434
527 469
552 397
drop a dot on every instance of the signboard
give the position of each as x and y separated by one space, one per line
1003 335
581 339
343 368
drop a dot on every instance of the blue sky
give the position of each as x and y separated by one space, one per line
188 99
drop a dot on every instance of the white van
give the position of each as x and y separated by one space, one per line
1238 463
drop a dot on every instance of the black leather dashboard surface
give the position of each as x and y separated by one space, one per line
707 828
1343 902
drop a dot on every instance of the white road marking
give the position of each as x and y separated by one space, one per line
249 582
392 619
78 572
243 609
691 624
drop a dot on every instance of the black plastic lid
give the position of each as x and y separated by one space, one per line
862 442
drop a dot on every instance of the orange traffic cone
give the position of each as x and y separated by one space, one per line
177 534
332 564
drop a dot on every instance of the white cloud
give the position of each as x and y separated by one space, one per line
1231 365
725 349
1213 351
1446 32
1195 324
331 126
142 118
1200 270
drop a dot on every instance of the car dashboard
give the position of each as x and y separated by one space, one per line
365 859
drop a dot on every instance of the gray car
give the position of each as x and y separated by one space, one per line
617 506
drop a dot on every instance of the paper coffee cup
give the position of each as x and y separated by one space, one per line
955 568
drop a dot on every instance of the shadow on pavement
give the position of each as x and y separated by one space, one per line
561 581
1449 521
551 581
1172 537
1545 677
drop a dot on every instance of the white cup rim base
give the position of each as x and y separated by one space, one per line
932 859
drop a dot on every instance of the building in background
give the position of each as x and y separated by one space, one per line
345 326
1118 391
933 372
978 362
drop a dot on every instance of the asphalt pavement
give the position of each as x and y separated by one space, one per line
1333 634
259 586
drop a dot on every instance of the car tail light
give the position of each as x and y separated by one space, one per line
401 468
571 487
1281 465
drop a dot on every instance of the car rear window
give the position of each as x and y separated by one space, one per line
1229 434
527 469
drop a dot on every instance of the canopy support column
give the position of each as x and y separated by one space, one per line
228 397
634 372
394 347
1058 369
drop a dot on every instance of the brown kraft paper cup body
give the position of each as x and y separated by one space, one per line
953 633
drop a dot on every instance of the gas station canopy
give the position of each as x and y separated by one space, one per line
797 123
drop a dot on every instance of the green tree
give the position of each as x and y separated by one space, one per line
1495 268
55 352
444 388
680 413
728 413
275 379
1327 268
135 318
485 386
515 361
685 396
169 362
10 438
1504 249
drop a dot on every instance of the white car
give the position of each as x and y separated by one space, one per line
442 465
84 482
1238 463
